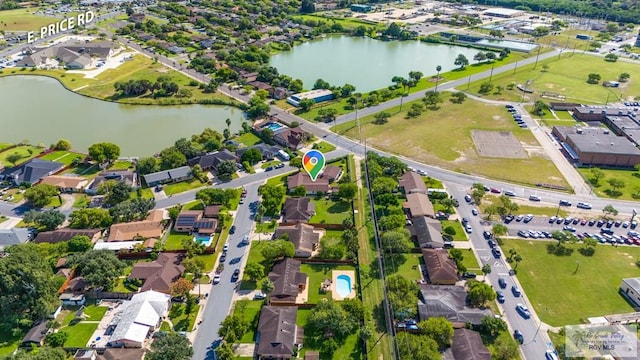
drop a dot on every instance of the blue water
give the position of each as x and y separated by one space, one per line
343 285
202 239
272 126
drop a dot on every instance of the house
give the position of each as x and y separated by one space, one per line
13 236
159 274
441 269
411 182
127 176
467 345
137 319
427 232
418 204
288 282
247 76
66 183
292 138
77 285
281 93
72 54
31 171
168 176
298 210
176 49
211 161
332 173
303 236
137 18
630 289
259 85
66 234
193 221
321 185
69 299
36 335
110 354
206 43
212 211
450 302
151 227
269 152
278 335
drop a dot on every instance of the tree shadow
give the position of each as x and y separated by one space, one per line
393 262
613 193
339 207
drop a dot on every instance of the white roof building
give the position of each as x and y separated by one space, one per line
137 318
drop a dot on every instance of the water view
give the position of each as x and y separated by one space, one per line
40 110
366 63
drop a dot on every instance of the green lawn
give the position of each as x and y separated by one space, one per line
250 311
470 262
406 265
255 256
171 189
9 343
82 201
95 313
267 226
560 294
522 208
316 274
65 157
23 20
271 164
209 261
432 183
330 212
79 334
442 137
174 240
460 234
182 321
26 152
323 147
280 180
248 139
631 179
4 146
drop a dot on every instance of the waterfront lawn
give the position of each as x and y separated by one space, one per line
566 75
23 20
26 152
65 157
460 234
452 146
330 212
4 146
248 139
323 147
317 273
406 265
181 320
630 178
176 188
250 311
568 289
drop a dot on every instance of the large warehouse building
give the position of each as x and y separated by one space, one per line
596 146
315 95
503 13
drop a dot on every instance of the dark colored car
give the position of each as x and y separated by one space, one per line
469 275
487 235
496 253
518 336
492 244
502 283
235 275
280 166
523 311
269 168
565 203
515 291
232 230
500 297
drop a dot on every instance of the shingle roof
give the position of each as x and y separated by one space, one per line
166 175
467 345
65 182
36 334
450 302
13 236
331 172
60 235
126 176
278 331
427 231
159 274
419 204
440 268
212 160
32 171
412 182
135 317
302 179
302 236
286 278
151 227
298 209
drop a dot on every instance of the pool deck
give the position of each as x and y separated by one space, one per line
334 277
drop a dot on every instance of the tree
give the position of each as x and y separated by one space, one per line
90 218
278 249
104 152
415 76
130 210
194 265
272 196
79 243
596 175
438 329
329 320
214 196
480 56
611 57
49 220
299 191
100 268
539 107
458 97
188 148
504 348
403 295
171 158
609 210
479 293
432 99
394 30
14 158
593 78
624 77
40 195
257 108
114 191
486 269
381 118
492 326
233 328
398 80
326 115
396 241
226 169
461 61
418 347
253 156
616 184
170 346
254 271
306 104
485 87
147 165
56 339
62 145
267 286
321 84
347 191
499 229
346 90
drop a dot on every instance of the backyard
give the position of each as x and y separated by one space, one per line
80 330
452 146
317 273
65 157
250 311
25 152
330 212
180 319
406 265
568 289
248 139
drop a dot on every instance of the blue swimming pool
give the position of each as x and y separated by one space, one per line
203 239
273 126
343 285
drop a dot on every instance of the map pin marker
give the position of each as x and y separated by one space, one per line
313 163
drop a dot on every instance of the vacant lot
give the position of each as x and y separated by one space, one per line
631 179
568 289
443 138
23 20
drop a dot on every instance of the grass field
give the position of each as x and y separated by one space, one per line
174 240
182 186
65 157
460 235
23 20
26 152
406 265
182 321
522 208
631 179
250 311
566 75
324 147
80 333
248 139
560 294
470 262
443 138
330 212
316 274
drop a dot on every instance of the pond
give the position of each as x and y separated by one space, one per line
40 110
366 63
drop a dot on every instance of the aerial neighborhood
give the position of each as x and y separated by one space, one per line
319 180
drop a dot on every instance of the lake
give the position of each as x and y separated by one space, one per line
40 110
366 63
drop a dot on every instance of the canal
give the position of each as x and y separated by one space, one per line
40 110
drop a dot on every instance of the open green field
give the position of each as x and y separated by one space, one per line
65 157
631 179
488 200
443 138
23 20
26 152
563 296
566 75
347 23
330 212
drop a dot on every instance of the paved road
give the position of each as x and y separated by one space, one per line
221 296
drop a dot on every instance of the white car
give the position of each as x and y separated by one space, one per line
468 229
216 279
226 247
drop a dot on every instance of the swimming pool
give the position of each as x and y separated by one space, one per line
202 239
343 285
273 126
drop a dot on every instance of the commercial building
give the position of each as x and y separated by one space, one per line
596 146
503 13
630 289
315 95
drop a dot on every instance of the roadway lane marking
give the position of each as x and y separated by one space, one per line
485 258
503 274
498 264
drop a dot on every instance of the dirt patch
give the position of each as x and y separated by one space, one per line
501 144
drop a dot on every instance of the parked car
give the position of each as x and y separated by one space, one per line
468 198
259 296
232 230
552 220
235 275
509 193
495 190
216 279
518 336
502 283
515 291
268 168
474 211
223 257
550 355
225 247
487 235
500 297
468 229
469 275
523 310
496 253
492 244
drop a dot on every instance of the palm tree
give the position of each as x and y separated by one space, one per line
438 69
228 121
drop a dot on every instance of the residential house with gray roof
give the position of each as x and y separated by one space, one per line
13 236
211 161
288 282
278 335
449 302
299 209
304 237
31 171
168 176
